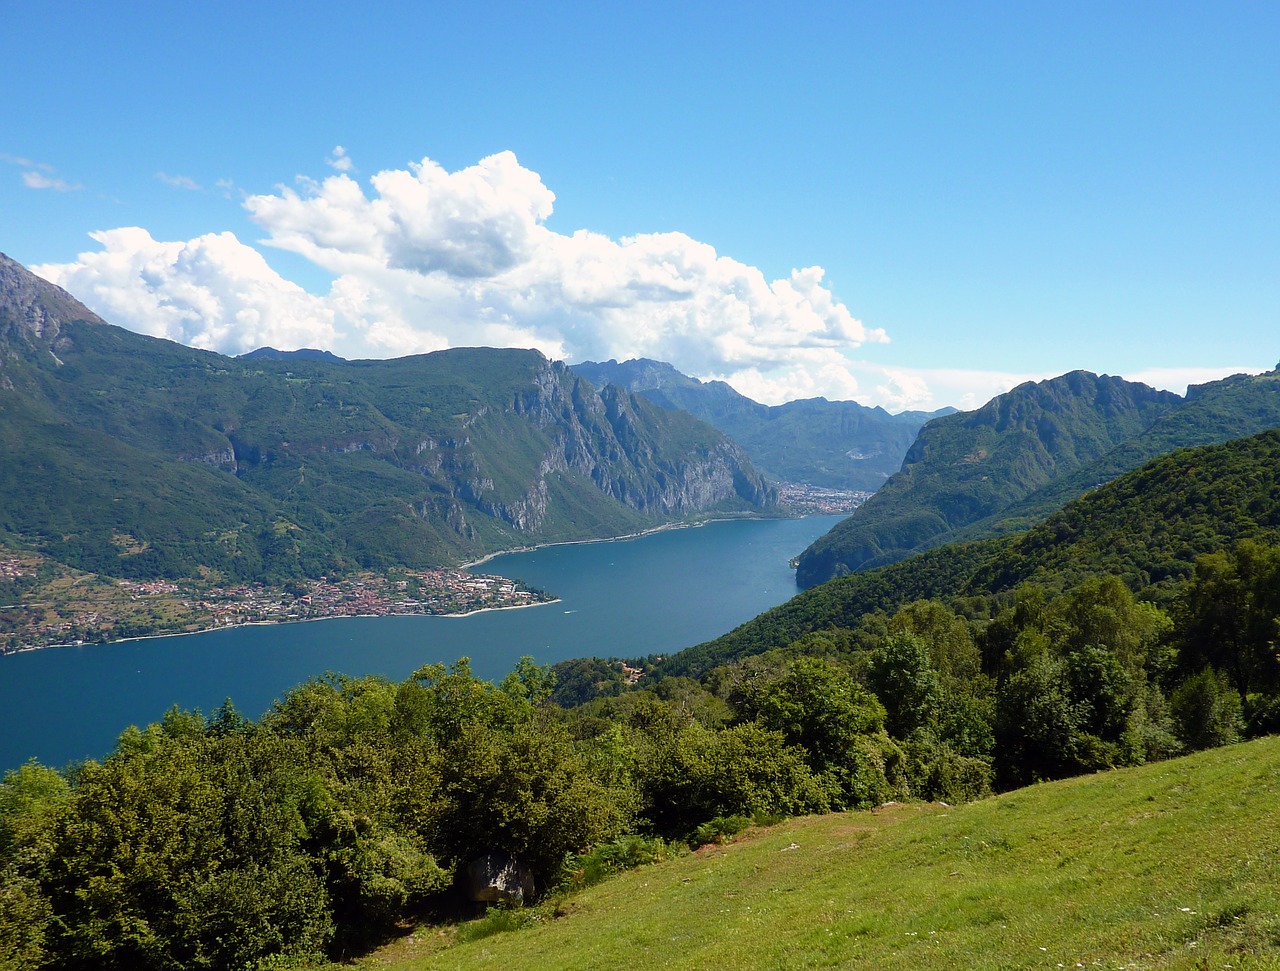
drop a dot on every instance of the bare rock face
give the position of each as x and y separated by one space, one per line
622 444
32 310
496 878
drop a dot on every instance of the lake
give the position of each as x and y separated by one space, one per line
651 595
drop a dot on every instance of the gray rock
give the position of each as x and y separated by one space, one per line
497 878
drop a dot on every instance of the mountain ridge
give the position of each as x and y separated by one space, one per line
284 466
830 444
1025 454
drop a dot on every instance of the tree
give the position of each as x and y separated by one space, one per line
1037 726
699 774
1229 617
815 703
900 674
1206 710
952 652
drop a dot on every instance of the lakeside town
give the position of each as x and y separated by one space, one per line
63 609
809 500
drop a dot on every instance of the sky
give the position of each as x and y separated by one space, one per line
912 205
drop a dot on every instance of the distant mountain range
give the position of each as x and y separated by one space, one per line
1027 453
131 456
834 444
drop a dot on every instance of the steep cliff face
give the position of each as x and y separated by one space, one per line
33 310
287 463
33 313
649 460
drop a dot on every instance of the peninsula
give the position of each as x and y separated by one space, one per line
61 607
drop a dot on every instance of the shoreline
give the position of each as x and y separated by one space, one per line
465 567
270 623
621 538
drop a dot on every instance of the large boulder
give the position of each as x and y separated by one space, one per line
497 878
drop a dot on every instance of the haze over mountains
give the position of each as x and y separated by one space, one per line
834 444
132 456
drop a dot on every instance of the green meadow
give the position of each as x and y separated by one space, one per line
1167 866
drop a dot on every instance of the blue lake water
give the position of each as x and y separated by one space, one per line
652 595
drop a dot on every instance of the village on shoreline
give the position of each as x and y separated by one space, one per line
65 610
44 604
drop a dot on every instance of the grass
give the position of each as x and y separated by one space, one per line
1169 866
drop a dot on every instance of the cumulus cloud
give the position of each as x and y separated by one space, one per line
340 160
468 256
212 292
424 258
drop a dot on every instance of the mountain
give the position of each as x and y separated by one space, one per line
1235 407
1146 527
1027 453
132 456
966 467
833 444
302 353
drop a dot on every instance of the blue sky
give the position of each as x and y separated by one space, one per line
993 192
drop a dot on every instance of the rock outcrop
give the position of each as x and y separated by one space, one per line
496 878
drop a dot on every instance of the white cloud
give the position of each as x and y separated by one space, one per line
35 179
893 388
180 182
1177 379
424 258
340 160
927 389
212 292
467 255
26 163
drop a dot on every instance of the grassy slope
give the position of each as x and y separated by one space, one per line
1173 865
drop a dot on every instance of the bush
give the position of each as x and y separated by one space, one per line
585 869
718 830
1207 711
935 771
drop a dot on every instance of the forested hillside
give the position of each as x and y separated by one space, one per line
135 457
1234 407
966 467
1147 528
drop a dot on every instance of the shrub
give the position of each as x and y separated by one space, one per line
1207 711
585 869
719 830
